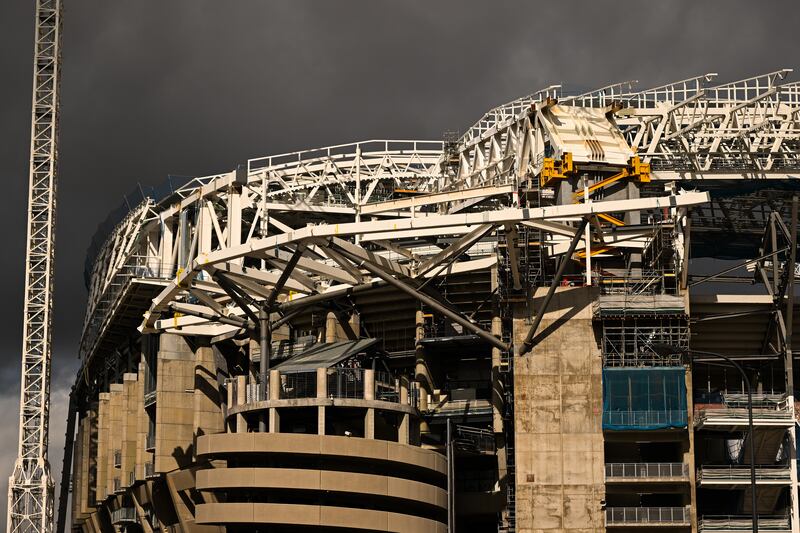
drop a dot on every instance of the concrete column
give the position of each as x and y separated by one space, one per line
421 370
322 393
322 383
497 385
369 424
498 407
355 324
274 385
369 384
330 327
403 433
274 421
241 399
274 425
688 456
403 390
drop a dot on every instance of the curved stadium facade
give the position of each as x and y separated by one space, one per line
510 330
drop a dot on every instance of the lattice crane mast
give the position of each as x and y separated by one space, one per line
30 488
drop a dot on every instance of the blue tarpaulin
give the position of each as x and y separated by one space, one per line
644 398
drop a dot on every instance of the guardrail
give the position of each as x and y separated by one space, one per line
117 458
644 418
124 514
150 442
353 383
472 440
298 385
734 523
653 516
723 473
149 398
650 471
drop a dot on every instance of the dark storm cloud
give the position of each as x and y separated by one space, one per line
193 87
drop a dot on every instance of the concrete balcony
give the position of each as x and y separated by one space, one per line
647 472
638 517
742 524
150 470
124 515
769 410
386 486
730 476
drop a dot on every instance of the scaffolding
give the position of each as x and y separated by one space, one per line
630 341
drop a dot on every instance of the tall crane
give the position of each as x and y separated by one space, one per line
30 488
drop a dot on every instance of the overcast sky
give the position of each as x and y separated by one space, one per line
193 87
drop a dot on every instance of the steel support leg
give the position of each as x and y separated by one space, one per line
527 344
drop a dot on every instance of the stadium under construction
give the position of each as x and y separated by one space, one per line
538 325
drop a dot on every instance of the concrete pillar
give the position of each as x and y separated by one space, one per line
369 424
330 327
322 383
403 390
274 425
498 407
322 393
241 399
422 373
403 433
355 325
688 455
497 385
208 416
369 384
274 385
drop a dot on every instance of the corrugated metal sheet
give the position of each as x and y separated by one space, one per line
325 355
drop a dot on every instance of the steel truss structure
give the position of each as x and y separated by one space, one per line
242 253
30 488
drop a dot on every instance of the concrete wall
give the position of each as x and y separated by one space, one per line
174 404
560 482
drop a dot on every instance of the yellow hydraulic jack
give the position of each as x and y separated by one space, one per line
555 169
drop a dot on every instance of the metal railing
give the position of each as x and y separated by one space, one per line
734 406
345 382
339 383
117 484
298 385
645 284
124 514
644 418
654 516
649 471
150 441
117 458
136 267
724 473
734 523
473 440
149 398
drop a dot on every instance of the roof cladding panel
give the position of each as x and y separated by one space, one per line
587 134
325 355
